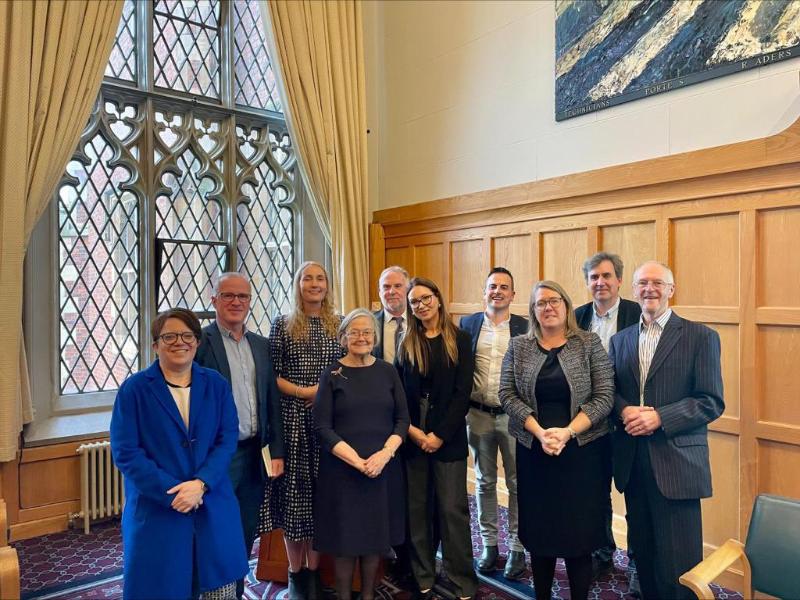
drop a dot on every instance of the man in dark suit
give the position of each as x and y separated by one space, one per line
605 315
393 290
487 424
242 357
668 388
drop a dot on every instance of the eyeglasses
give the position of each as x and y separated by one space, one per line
654 283
354 334
551 302
227 297
424 300
187 337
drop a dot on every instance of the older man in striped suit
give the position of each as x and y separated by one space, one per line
668 388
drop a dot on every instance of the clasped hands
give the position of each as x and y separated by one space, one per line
373 466
428 442
640 420
553 440
188 495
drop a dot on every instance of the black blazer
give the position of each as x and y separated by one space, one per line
449 402
627 315
684 384
211 354
377 351
472 324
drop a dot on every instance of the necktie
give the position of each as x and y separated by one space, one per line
398 333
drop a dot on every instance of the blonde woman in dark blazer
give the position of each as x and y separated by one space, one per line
557 386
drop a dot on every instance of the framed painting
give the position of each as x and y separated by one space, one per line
613 51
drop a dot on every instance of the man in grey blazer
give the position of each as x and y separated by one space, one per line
605 315
668 388
242 357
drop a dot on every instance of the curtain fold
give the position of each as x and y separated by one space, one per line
52 58
317 50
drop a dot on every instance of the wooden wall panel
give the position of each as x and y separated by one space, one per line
729 342
469 263
429 261
63 477
403 257
779 257
727 220
778 465
705 237
563 253
721 511
778 352
634 243
515 253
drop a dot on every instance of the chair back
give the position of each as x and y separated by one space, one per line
773 546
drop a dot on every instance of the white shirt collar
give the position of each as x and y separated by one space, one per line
611 311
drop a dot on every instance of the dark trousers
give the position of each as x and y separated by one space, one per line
438 490
246 474
667 534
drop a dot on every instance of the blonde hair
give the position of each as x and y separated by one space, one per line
297 321
415 347
570 327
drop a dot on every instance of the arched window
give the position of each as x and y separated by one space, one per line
185 169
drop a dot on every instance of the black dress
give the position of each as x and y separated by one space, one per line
355 515
565 496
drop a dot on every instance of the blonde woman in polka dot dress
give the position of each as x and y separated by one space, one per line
302 343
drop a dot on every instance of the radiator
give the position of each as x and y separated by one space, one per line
102 492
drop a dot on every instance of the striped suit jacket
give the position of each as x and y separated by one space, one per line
684 384
588 372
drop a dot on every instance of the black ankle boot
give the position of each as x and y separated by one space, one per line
313 585
298 585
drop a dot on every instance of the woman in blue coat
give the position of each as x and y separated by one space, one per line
173 433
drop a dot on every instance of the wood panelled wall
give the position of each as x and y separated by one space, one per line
727 220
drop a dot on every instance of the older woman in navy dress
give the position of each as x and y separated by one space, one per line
361 418
173 433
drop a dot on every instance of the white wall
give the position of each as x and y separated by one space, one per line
461 99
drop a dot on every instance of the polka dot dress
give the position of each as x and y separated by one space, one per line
288 500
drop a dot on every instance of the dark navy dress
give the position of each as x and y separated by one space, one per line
355 515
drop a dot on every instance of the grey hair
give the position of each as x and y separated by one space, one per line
394 269
594 260
352 316
228 275
668 271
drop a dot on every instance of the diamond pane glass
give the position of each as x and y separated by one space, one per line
187 213
187 269
186 46
122 62
254 81
265 247
98 256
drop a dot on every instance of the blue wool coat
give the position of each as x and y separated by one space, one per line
154 451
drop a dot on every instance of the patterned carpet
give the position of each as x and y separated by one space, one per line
74 566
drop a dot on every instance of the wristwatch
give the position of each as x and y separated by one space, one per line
572 433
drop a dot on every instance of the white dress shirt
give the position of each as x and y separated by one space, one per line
605 325
649 336
492 345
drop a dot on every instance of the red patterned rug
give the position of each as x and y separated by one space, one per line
74 566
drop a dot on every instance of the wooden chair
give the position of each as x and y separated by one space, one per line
770 557
9 562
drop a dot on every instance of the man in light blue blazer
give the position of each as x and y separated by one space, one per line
242 357
668 389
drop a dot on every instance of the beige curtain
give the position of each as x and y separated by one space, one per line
52 57
318 52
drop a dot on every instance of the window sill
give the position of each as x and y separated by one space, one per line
66 428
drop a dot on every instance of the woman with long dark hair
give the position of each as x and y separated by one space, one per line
435 365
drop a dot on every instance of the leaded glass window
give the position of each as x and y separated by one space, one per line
174 181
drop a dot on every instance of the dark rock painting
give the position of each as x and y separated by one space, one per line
613 51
